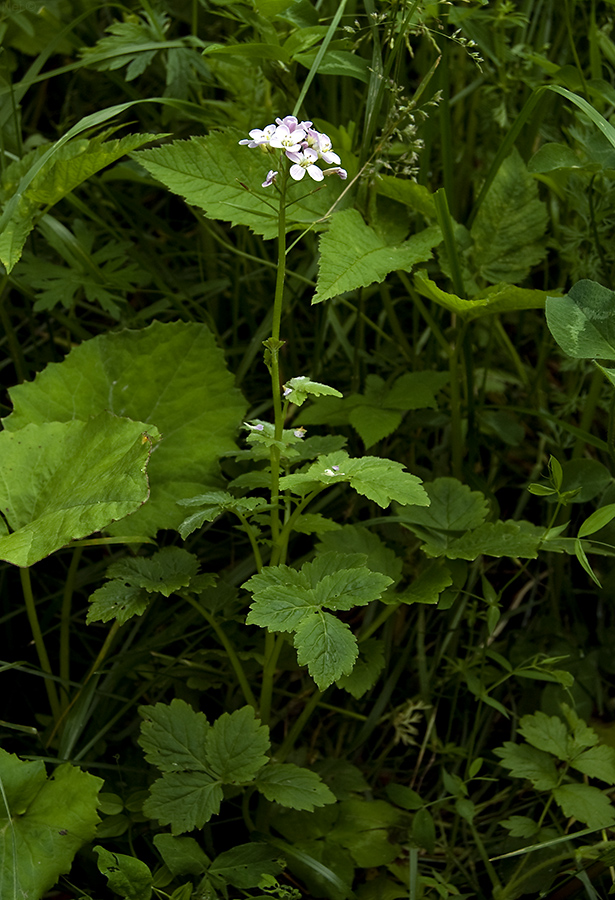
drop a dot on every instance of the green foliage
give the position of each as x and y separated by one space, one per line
44 822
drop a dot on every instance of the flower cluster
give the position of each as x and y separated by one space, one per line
302 145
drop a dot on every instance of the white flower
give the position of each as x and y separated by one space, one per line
324 148
305 161
285 139
337 170
260 136
270 178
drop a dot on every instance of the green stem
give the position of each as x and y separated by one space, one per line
69 588
297 728
273 647
273 358
589 408
456 418
37 634
230 650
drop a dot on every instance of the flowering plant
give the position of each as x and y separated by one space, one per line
301 143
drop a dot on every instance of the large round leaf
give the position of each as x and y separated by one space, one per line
172 376
63 480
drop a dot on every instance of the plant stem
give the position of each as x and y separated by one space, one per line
297 728
273 647
67 597
232 656
37 634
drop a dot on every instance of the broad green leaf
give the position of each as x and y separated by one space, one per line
181 855
427 586
553 156
337 62
237 745
366 670
373 424
358 539
344 778
50 179
509 229
589 476
210 172
408 192
165 572
244 865
496 299
281 608
61 481
292 786
520 826
315 523
597 762
116 600
173 736
353 255
453 507
213 504
582 321
48 820
548 733
133 43
585 803
184 800
298 389
515 539
528 762
170 375
346 587
326 646
126 876
380 480
404 796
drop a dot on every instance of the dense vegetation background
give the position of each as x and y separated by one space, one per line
420 702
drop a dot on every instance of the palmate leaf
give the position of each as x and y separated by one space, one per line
585 803
353 255
48 820
212 504
41 180
293 787
116 600
236 746
61 481
181 855
165 572
172 375
380 480
529 762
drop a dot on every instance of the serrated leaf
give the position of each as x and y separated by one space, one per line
581 321
529 763
165 572
244 865
181 855
380 480
585 803
514 539
52 176
353 255
498 298
213 504
326 646
597 762
366 670
184 800
509 229
281 608
115 600
315 523
298 389
520 826
347 587
373 424
209 172
49 819
173 736
427 586
61 481
173 373
132 43
453 507
236 746
547 733
358 539
126 876
293 786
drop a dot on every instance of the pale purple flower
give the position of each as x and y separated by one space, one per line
287 391
305 161
270 178
287 140
260 136
337 170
